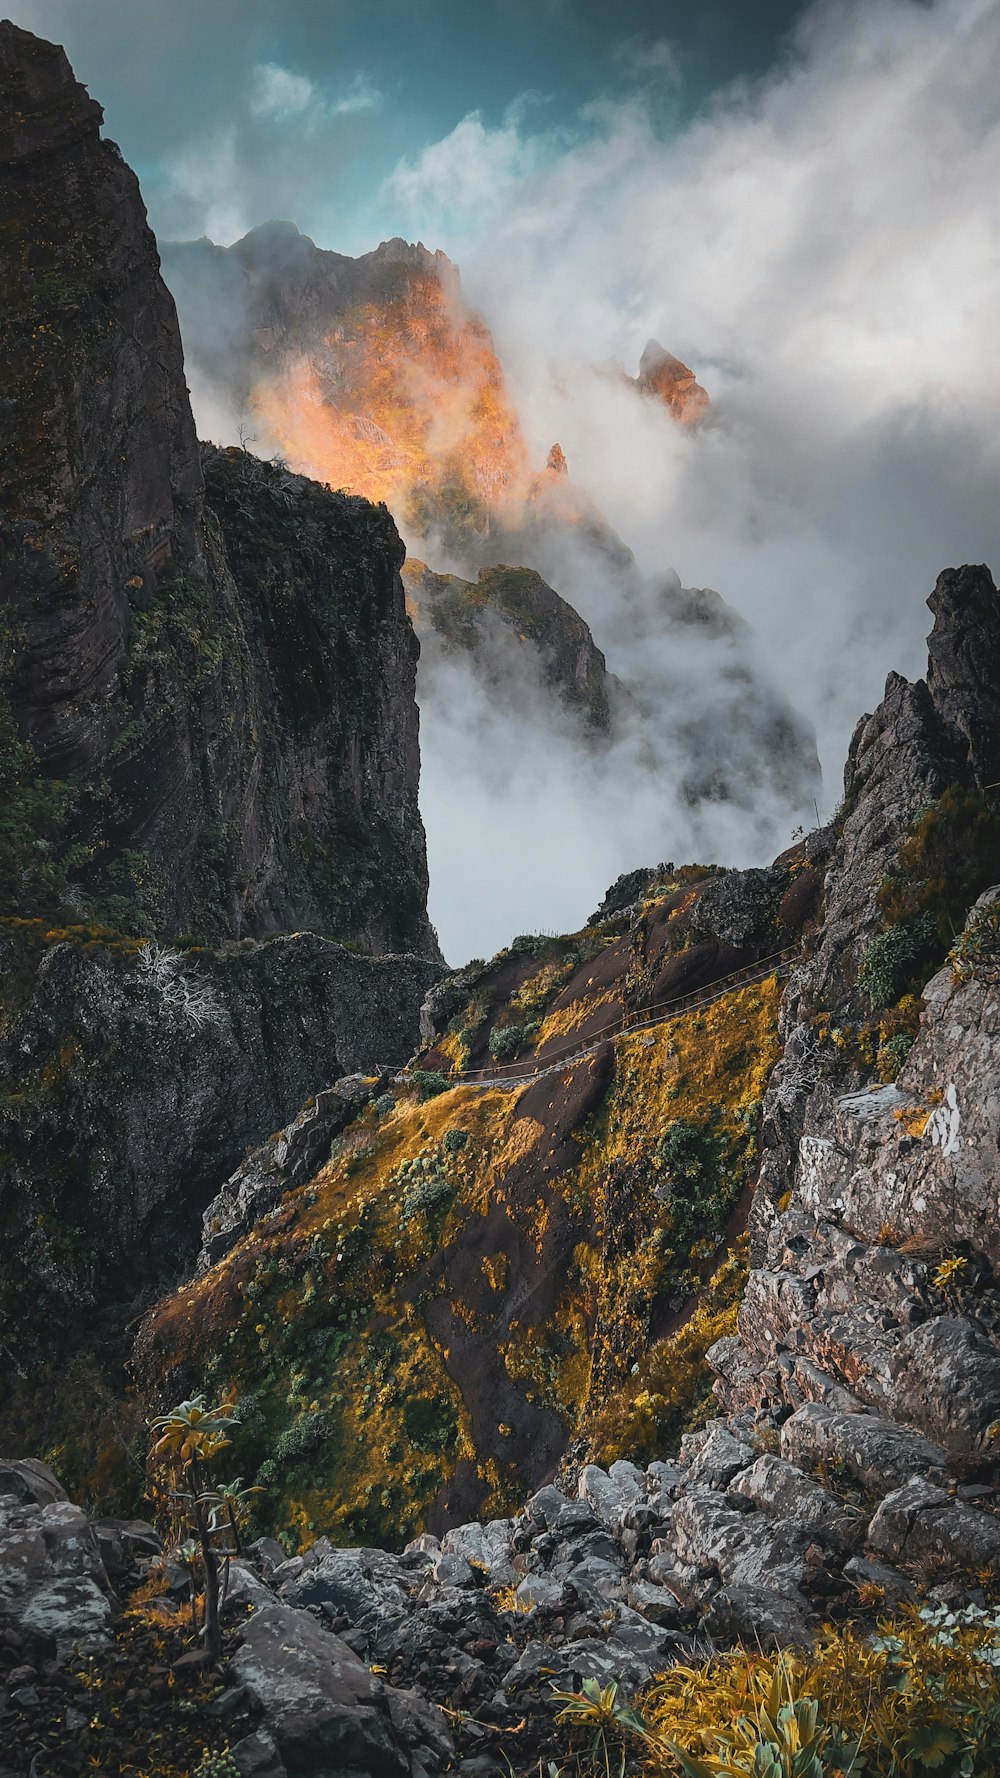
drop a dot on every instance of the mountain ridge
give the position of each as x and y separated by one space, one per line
669 1378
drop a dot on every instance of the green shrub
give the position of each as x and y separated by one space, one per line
893 1054
427 1193
506 1041
897 957
951 854
976 951
430 1424
302 1439
428 1083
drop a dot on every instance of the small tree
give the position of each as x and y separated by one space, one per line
186 1443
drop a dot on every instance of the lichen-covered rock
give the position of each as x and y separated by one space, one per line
289 1158
54 1588
872 1312
919 1520
874 1450
783 1491
29 1482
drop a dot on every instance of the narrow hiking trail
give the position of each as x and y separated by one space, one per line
515 1074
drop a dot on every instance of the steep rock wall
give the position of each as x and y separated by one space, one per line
876 1217
187 743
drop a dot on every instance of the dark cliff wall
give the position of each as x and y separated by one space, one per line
208 735
192 743
880 1119
336 843
133 1077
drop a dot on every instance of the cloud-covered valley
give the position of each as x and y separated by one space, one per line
821 246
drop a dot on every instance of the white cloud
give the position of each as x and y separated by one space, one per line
282 96
204 180
360 95
472 172
823 249
279 93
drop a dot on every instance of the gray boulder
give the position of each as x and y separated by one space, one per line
743 1549
542 1592
606 1495
784 1492
365 1585
28 1480
720 1458
920 1520
323 1709
759 1617
875 1451
657 1604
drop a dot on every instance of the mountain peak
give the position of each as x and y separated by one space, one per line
671 382
41 101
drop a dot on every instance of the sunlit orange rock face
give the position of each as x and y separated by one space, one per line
665 377
403 400
372 374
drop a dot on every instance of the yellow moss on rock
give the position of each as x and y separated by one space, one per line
322 1317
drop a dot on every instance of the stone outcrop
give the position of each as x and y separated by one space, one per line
208 733
664 377
290 1158
520 640
369 373
208 717
869 1326
373 374
343 1656
299 1700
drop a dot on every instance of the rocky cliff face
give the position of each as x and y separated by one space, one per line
369 373
436 1288
664 377
208 713
373 373
475 1267
522 641
136 1075
207 734
875 1218
849 1461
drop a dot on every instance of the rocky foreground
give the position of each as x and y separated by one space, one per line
444 1657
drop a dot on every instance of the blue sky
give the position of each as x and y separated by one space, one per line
239 110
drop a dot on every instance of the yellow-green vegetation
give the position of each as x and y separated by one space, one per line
918 1695
976 951
951 854
671 1391
349 1414
678 1141
565 1020
468 1262
520 1022
186 1445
